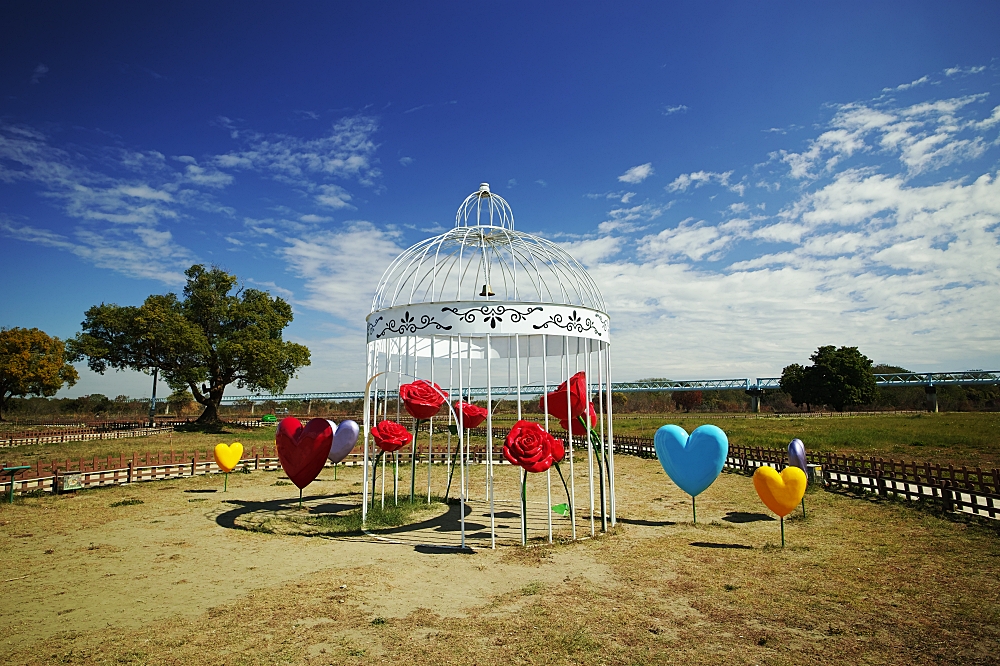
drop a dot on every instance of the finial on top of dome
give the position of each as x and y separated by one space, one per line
484 189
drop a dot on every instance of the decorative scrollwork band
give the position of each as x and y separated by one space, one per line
574 323
407 324
492 314
471 318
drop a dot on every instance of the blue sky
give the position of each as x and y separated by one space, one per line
745 181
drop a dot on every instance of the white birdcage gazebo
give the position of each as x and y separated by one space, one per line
499 316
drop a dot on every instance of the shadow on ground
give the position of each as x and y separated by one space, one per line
745 517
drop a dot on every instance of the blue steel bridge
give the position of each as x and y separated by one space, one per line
754 387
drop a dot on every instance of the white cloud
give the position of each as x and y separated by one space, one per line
347 151
698 178
333 196
671 110
593 251
315 219
637 174
628 220
122 217
869 247
329 261
963 71
406 161
40 71
906 86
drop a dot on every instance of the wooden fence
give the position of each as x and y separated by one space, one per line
962 489
967 490
119 470
102 430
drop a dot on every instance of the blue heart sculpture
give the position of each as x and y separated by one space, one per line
692 462
797 454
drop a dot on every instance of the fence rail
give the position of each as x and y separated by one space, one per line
102 430
962 489
966 490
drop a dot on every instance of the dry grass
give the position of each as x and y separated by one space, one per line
860 582
961 438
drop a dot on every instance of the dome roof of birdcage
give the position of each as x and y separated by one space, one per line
484 259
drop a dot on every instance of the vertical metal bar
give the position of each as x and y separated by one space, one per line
603 462
367 425
430 431
545 402
611 439
569 437
590 444
462 447
489 443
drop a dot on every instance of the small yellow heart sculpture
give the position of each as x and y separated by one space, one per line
227 456
781 493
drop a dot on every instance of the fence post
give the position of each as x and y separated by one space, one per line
129 476
948 495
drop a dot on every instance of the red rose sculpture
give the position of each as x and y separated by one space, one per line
390 436
472 415
530 447
577 398
579 429
422 399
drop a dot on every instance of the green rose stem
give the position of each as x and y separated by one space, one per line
595 442
413 461
569 500
378 458
451 472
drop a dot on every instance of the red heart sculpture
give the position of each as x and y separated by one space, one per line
303 450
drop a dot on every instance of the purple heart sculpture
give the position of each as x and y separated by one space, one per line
345 436
797 454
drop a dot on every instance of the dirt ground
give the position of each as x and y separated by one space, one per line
184 578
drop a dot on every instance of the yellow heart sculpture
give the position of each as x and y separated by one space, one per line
227 456
781 493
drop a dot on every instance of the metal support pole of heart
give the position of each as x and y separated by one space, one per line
782 531
803 508
694 511
225 482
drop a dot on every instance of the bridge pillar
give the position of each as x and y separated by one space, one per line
755 395
932 400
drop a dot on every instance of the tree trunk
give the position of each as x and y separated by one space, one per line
211 401
210 415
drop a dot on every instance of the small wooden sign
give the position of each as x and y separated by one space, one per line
69 482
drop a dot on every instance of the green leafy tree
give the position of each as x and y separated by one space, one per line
215 336
839 377
32 363
180 400
795 382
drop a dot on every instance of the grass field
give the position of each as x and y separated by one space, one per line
961 438
171 572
